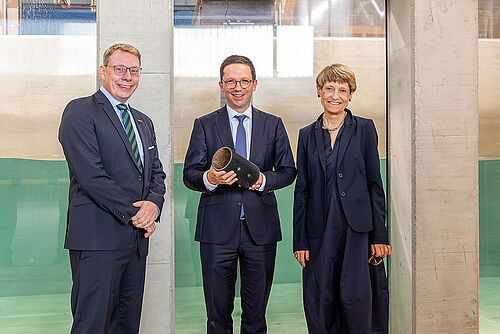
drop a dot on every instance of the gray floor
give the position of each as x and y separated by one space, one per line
284 313
50 314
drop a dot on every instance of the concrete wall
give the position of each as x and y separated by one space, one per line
401 169
433 166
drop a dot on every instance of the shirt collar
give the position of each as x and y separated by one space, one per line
231 112
114 102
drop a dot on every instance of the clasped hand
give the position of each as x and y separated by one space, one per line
145 217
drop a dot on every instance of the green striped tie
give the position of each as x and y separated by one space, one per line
129 130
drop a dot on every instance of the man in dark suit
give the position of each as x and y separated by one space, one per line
115 197
236 224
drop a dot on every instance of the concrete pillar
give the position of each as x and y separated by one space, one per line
433 166
148 25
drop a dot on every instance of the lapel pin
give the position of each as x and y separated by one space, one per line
139 120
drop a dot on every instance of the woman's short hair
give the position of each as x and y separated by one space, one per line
337 73
236 59
121 47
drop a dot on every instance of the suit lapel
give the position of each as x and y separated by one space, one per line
346 135
257 133
139 123
223 129
320 145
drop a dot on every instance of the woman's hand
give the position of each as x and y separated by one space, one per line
302 256
381 250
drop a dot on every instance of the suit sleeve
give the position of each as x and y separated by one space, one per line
374 181
196 161
284 166
300 198
157 185
81 148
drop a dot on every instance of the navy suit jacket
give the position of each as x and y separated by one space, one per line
104 179
359 183
219 210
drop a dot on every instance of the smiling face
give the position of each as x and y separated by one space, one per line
334 97
120 86
238 98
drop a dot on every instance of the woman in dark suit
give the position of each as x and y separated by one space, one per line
339 214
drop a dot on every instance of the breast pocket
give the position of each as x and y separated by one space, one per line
151 150
265 154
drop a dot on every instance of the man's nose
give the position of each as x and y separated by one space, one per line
127 74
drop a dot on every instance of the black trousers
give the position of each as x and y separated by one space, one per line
107 292
219 266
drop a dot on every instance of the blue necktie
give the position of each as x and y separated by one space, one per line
241 144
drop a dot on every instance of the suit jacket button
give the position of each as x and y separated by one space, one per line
342 194
341 175
238 203
139 178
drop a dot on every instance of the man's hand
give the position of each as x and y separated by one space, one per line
149 231
215 177
146 215
258 183
381 250
302 256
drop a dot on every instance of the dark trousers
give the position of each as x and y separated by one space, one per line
108 286
219 266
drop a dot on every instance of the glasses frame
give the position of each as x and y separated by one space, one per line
236 83
126 69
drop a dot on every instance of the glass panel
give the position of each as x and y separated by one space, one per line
289 43
489 165
42 72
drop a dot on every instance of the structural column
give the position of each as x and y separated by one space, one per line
148 25
433 166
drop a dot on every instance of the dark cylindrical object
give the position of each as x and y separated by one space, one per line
246 171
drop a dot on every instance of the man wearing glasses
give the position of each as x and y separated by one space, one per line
236 224
115 197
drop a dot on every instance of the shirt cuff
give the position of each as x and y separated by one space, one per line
208 185
262 186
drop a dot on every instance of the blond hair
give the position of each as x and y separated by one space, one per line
120 47
337 73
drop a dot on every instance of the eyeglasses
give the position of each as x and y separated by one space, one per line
121 70
231 84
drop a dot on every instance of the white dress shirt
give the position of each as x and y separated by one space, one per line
233 123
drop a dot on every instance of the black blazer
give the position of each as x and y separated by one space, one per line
219 210
104 179
359 182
